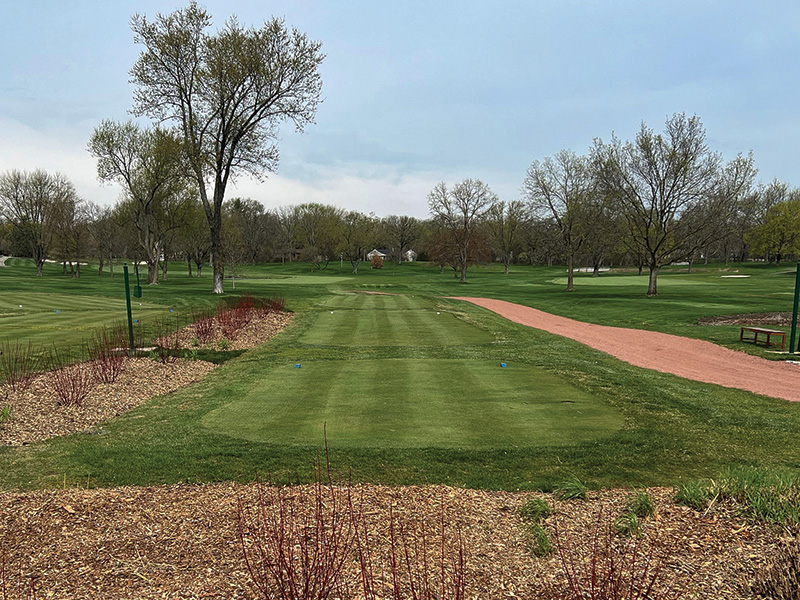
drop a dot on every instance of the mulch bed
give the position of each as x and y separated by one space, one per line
780 319
256 332
37 415
182 541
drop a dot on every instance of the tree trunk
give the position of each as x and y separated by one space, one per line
199 265
152 271
652 289
355 265
100 268
164 269
64 267
691 264
111 268
189 264
569 272
505 264
77 273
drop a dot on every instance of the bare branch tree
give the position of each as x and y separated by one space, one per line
227 92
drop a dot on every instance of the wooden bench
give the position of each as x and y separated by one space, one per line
769 333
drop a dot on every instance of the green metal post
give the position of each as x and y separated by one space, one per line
794 310
128 302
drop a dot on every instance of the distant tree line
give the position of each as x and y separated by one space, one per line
658 199
661 198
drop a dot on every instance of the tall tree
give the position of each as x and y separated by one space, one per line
148 164
779 235
227 92
254 222
286 218
459 211
505 224
561 188
356 235
30 203
317 232
401 231
661 181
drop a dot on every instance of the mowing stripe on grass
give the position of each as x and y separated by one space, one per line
381 320
399 403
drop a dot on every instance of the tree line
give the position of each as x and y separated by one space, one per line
216 100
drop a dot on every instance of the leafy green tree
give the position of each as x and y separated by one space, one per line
779 235
148 164
227 93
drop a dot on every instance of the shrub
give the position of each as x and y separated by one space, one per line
535 510
294 553
70 382
106 354
596 565
19 364
376 262
224 344
320 548
15 590
778 580
571 489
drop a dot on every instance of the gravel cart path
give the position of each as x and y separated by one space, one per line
694 359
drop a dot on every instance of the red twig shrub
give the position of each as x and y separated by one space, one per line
317 545
19 590
295 551
70 382
106 354
167 342
597 565
19 364
203 327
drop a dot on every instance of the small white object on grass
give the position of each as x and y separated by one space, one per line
438 313
20 305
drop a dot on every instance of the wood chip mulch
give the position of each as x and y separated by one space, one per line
256 332
779 319
181 541
37 415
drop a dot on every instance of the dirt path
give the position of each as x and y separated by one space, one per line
694 359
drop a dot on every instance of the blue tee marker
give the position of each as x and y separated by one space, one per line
503 365
297 366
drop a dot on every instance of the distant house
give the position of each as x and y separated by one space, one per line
409 256
374 253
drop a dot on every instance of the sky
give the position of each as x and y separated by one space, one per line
421 92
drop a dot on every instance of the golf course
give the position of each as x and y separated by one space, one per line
411 387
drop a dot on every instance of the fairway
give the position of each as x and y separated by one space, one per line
43 318
398 403
383 320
